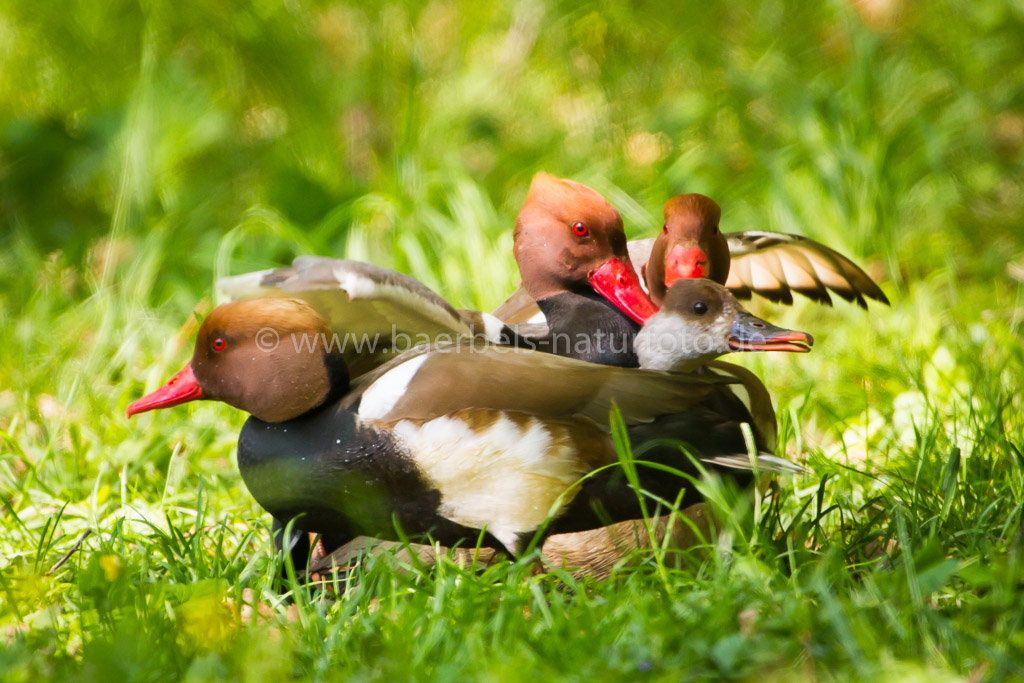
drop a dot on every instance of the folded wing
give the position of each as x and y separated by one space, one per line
434 381
376 313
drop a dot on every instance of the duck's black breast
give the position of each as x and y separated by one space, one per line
341 477
586 326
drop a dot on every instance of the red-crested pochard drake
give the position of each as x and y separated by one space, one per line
770 264
571 251
456 438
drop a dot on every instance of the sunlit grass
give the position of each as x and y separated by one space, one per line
146 150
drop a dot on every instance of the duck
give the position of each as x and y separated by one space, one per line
769 264
463 440
570 246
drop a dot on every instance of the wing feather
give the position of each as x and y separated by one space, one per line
465 375
375 312
801 277
770 279
740 281
807 267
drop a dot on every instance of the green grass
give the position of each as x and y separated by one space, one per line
145 148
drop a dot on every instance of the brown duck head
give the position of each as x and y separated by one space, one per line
568 238
690 245
267 357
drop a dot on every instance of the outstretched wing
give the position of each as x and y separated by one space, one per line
375 312
774 264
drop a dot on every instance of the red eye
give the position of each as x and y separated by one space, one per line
664 228
579 229
218 344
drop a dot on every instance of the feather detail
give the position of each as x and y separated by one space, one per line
773 263
375 313
533 383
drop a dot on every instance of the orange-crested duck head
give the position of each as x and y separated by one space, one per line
690 245
568 238
270 357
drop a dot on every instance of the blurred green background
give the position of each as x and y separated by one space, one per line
146 147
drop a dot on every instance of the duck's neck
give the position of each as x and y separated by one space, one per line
586 326
666 343
338 379
285 462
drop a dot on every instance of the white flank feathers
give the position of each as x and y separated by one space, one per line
538 317
504 478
